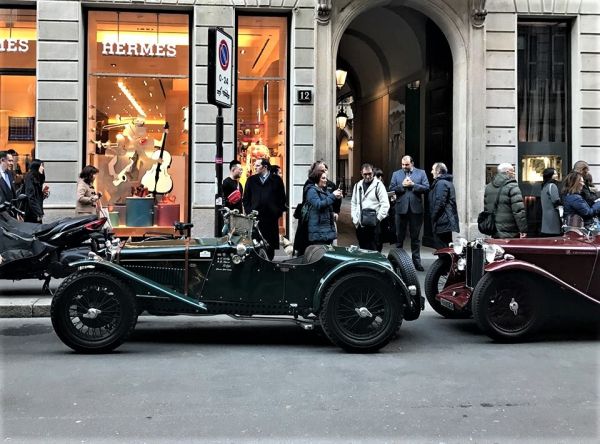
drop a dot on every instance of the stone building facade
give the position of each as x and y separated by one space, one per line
482 36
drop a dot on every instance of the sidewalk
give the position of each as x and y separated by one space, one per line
23 299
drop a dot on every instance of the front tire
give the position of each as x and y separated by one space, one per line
404 267
93 312
435 282
508 307
360 312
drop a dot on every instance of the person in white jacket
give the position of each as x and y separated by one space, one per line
370 205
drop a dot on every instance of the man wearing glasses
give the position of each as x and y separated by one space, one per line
409 184
265 193
369 195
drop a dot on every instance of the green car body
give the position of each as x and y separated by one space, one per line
231 276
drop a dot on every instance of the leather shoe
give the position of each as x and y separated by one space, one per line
419 267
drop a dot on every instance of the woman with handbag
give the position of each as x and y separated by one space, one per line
551 204
370 205
318 210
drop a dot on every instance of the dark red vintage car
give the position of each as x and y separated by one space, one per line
511 286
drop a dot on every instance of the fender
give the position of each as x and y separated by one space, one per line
446 251
515 264
350 266
117 270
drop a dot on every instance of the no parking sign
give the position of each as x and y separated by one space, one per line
219 67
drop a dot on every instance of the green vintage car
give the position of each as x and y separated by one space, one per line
359 298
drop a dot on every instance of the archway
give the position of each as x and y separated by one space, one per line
406 63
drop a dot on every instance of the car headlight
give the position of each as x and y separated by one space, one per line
493 252
459 246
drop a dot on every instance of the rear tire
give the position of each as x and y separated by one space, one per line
404 267
360 312
508 306
93 312
435 282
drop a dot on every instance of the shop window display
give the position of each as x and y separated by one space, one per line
261 92
18 38
138 102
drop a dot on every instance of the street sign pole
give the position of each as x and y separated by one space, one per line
219 94
219 174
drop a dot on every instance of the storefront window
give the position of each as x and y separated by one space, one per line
261 91
137 84
18 37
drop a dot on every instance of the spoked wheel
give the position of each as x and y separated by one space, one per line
93 312
435 282
360 312
507 306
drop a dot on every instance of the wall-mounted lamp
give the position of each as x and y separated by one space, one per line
340 78
414 85
350 143
341 119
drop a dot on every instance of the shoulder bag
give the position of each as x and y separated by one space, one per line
486 220
368 216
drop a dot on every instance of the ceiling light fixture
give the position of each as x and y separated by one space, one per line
134 102
341 119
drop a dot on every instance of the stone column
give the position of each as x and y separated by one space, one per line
59 120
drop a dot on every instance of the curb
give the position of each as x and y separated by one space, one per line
35 307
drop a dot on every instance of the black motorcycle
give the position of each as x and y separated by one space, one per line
44 251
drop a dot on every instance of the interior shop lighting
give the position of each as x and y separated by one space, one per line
134 102
166 38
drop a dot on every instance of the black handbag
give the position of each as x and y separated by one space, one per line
368 217
486 220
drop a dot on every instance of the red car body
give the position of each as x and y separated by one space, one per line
510 296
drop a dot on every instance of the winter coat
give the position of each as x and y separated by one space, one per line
35 198
442 205
321 228
510 215
551 223
375 197
86 198
575 204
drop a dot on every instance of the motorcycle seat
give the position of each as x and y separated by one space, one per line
65 225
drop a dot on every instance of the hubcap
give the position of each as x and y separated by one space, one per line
363 312
514 306
92 313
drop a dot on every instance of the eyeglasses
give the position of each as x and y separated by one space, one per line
367 174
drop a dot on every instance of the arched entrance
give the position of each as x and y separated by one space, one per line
406 64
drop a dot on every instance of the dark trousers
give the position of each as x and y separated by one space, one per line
269 227
414 222
368 237
442 239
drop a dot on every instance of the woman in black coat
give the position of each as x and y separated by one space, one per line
442 205
35 191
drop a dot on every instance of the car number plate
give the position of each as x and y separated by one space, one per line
449 305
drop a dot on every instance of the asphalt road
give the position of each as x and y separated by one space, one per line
187 379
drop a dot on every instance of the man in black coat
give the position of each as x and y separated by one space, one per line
265 193
7 187
442 205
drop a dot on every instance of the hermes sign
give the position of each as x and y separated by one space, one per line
138 49
14 45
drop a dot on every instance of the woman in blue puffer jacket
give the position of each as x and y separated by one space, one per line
573 202
321 228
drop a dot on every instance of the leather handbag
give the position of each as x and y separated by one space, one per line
368 217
